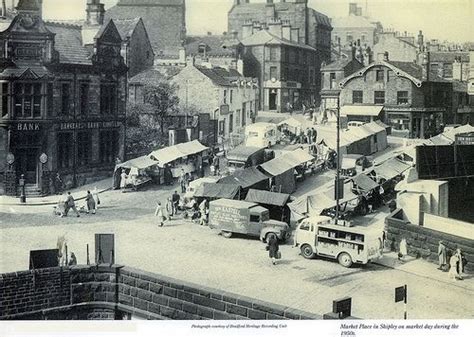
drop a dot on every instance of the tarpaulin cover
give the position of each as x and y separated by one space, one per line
275 167
361 110
286 161
364 182
244 178
171 153
139 163
217 191
297 157
242 153
269 198
391 168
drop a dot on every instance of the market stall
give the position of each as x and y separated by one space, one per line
248 178
213 191
276 203
139 171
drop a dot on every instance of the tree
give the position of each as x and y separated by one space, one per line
160 100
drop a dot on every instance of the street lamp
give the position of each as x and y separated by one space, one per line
338 185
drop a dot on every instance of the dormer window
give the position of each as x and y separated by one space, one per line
202 49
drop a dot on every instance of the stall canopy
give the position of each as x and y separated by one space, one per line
297 157
245 178
286 161
269 198
276 166
217 191
139 163
172 153
242 153
391 168
361 110
364 182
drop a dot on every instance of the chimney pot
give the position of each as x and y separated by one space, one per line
385 56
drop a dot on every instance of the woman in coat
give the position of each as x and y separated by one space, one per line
453 267
159 212
90 203
273 248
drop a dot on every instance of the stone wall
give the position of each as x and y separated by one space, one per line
107 292
423 242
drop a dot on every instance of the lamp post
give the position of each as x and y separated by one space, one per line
337 185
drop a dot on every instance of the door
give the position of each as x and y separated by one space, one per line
27 164
272 104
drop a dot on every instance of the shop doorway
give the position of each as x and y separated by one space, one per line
27 164
272 104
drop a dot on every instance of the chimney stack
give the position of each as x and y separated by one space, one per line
286 30
425 67
247 29
95 13
420 41
353 52
385 56
295 35
275 27
352 8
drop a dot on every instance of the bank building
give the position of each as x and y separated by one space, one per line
63 95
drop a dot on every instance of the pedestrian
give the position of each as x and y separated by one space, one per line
461 263
273 249
182 181
216 165
160 214
453 267
62 206
90 202
203 209
169 207
384 238
314 136
442 260
123 180
168 175
71 204
403 249
58 182
175 198
72 260
96 197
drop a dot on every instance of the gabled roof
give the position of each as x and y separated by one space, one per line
147 77
264 37
216 45
448 56
68 42
245 178
222 77
321 19
340 64
126 27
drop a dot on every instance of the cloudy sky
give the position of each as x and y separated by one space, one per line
441 19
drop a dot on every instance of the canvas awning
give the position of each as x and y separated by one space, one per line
275 167
139 163
245 178
217 191
269 198
242 153
361 110
364 182
171 153
297 157
391 168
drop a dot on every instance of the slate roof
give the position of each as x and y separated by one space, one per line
68 42
352 21
126 27
216 45
221 76
150 2
448 57
415 70
321 19
339 64
147 77
265 37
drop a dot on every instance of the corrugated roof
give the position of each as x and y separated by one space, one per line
268 198
68 42
264 37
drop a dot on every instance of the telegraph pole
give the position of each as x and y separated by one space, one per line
338 165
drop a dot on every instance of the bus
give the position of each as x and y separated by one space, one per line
317 236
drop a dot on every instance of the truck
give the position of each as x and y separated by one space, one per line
317 236
245 156
248 218
262 135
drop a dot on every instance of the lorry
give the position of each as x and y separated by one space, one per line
248 218
245 156
317 236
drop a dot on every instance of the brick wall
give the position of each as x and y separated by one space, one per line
103 292
423 242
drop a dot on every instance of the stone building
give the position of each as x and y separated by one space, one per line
331 75
416 101
355 28
165 22
305 25
287 71
226 95
401 48
63 103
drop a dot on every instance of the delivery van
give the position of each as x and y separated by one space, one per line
243 157
262 135
248 218
316 236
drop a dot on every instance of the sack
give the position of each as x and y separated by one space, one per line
278 255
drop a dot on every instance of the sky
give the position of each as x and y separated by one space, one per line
438 19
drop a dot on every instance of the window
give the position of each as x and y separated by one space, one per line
304 226
202 49
297 56
402 97
273 73
237 117
108 99
108 146
284 74
379 75
84 97
254 218
332 80
5 98
225 96
448 70
50 97
357 96
27 99
65 150
362 38
231 122
222 128
244 114
273 53
84 147
65 98
390 75
379 97
231 94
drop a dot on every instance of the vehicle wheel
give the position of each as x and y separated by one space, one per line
345 260
270 235
307 251
226 234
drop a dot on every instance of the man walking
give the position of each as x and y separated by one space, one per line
442 260
175 199
71 204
